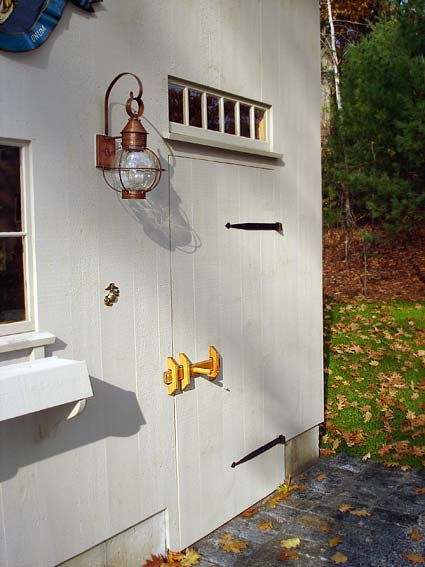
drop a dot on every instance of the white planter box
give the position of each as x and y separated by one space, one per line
36 385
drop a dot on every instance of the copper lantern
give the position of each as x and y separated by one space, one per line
132 169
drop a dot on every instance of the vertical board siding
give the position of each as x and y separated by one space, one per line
219 289
66 486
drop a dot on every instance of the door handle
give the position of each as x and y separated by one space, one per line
180 375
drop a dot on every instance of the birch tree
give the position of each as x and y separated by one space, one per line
334 55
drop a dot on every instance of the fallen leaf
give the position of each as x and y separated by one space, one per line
250 512
366 457
174 556
315 522
155 561
321 476
413 558
327 452
191 557
265 526
420 490
272 502
286 487
361 513
415 535
345 507
339 557
288 555
374 363
334 541
367 417
231 545
301 487
290 543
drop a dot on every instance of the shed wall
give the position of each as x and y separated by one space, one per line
66 486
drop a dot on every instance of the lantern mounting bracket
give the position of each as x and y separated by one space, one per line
128 105
133 170
105 144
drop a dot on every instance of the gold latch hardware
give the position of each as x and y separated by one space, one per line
179 375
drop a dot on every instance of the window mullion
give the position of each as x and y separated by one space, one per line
204 110
252 123
237 120
221 113
12 234
186 106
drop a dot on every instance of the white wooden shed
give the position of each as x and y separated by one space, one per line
130 469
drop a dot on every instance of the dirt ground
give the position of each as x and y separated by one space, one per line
387 269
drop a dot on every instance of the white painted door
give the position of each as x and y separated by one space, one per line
226 288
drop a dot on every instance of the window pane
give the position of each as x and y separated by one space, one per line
213 112
260 124
195 108
12 292
229 116
175 103
10 189
245 120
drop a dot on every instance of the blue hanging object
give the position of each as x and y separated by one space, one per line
26 24
85 4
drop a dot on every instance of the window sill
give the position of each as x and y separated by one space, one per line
22 341
202 137
40 384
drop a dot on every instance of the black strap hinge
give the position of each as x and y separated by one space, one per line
278 441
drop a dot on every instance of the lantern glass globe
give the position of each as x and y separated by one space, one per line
134 170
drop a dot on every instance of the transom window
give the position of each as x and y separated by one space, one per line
215 111
15 304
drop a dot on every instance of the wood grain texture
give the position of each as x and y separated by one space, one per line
217 299
77 483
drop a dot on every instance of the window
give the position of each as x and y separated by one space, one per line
15 248
209 117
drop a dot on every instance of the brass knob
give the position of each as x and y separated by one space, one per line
112 296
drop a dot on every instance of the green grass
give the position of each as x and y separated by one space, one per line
375 381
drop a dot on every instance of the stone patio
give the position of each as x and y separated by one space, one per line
378 540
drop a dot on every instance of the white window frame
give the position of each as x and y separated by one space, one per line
219 139
27 238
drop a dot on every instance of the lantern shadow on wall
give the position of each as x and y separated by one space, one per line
163 218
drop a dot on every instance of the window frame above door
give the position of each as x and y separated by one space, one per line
202 135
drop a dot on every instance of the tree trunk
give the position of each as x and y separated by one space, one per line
335 61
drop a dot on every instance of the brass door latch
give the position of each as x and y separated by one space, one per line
179 375
112 295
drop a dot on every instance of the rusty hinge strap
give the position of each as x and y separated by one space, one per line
278 441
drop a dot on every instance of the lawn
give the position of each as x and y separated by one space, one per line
375 381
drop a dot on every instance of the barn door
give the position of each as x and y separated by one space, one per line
225 292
